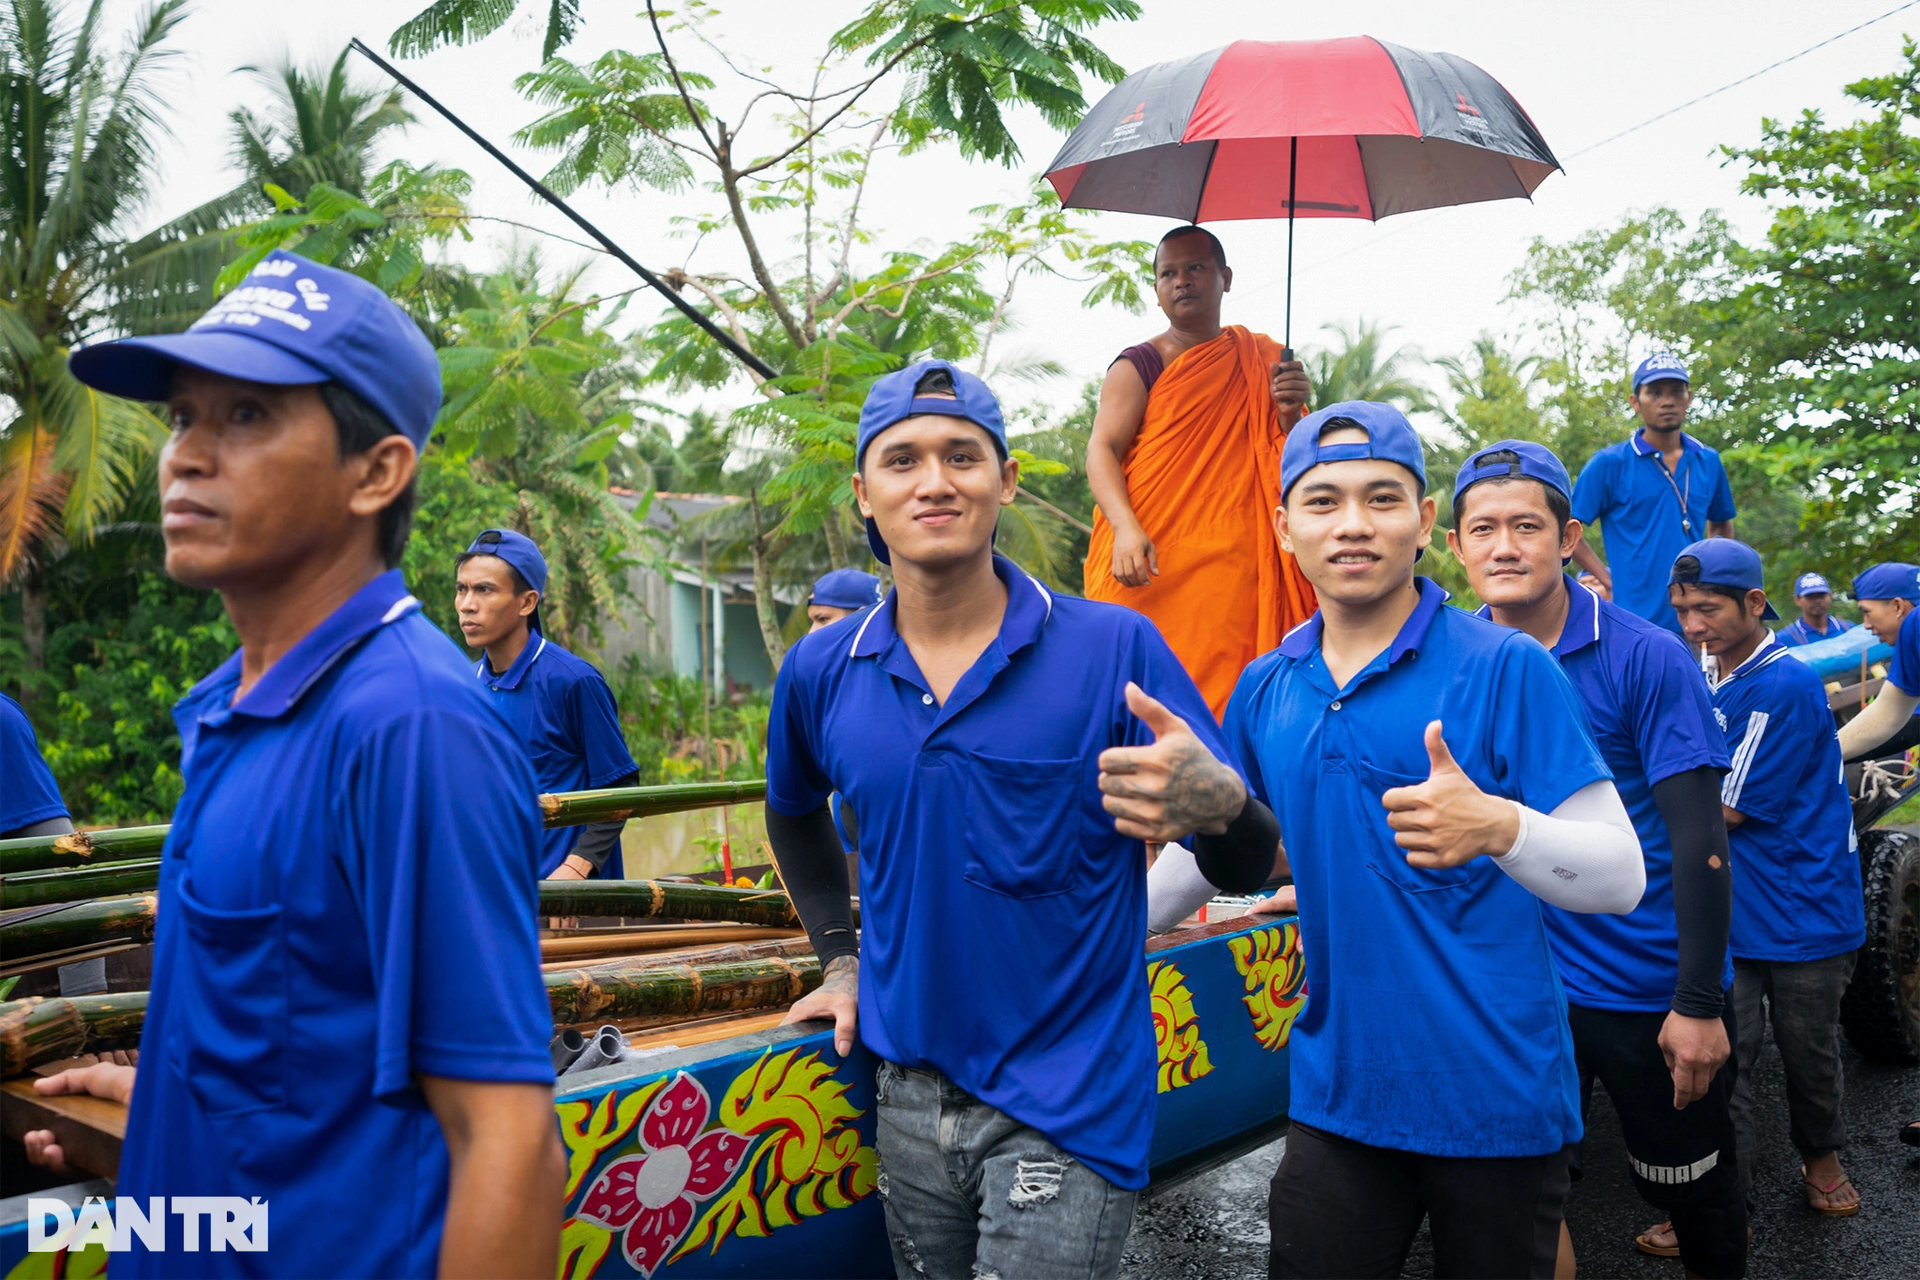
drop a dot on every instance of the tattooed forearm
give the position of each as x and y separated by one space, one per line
1201 793
842 976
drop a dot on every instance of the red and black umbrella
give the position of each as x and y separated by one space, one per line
1347 128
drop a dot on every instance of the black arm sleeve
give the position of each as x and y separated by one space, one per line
597 839
1702 886
1239 859
814 869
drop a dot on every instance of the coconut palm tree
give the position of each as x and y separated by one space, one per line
76 166
1358 366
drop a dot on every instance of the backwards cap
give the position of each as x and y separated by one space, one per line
520 551
1521 458
290 322
1390 438
895 398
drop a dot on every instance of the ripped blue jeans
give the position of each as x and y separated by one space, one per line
972 1192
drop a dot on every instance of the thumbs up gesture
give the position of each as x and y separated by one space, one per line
1170 789
1447 820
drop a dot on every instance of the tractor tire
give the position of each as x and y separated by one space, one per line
1881 1010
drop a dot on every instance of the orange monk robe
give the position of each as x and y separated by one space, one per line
1204 477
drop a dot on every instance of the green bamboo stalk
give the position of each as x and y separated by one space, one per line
80 925
632 989
565 809
37 888
80 848
36 1030
666 900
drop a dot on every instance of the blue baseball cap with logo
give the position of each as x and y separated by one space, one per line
1724 562
520 551
1659 366
1812 584
1512 458
931 386
1890 581
846 589
1390 438
289 322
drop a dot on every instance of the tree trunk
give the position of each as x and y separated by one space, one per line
763 590
836 541
33 632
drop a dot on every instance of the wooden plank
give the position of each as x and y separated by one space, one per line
686 1036
1855 696
89 1130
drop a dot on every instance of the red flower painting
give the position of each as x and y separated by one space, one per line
651 1194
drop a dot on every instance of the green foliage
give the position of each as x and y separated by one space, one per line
456 501
457 22
611 119
1358 366
664 718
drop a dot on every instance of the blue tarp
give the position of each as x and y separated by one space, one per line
1838 657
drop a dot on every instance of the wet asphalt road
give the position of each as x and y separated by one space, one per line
1216 1225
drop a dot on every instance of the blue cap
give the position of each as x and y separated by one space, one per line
1521 458
846 589
1724 562
892 401
1890 581
1661 364
1390 438
290 322
1812 584
520 551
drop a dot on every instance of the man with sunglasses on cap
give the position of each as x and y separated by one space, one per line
1798 915
973 718
1814 596
558 707
1646 991
1652 494
1434 781
839 593
348 1022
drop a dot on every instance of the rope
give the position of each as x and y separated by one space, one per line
1883 782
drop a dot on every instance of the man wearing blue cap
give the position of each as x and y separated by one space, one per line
1399 741
1888 594
1814 596
1798 915
1646 991
973 718
558 707
348 1022
839 593
1652 494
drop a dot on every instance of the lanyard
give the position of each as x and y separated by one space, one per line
1679 494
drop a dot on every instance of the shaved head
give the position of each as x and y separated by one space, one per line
1213 243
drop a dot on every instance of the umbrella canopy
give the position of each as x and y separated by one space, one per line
1355 128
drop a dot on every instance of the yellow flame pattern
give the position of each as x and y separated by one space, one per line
1276 972
1176 1028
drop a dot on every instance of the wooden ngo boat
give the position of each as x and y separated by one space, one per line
731 1146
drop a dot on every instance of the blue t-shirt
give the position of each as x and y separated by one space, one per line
1437 1024
1796 872
1798 632
1903 670
1002 913
1648 708
28 793
347 902
561 711
1639 505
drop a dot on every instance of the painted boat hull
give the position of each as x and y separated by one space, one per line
754 1156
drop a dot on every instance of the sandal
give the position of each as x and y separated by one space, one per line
1646 1243
1910 1133
1830 1209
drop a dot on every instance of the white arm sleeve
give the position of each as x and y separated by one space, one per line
1584 856
1175 888
1884 716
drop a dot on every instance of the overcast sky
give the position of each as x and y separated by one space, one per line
1583 72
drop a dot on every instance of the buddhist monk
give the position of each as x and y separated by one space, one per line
1185 464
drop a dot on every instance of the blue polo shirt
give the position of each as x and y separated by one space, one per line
1639 505
1903 669
1437 1024
1002 913
28 793
1796 872
1648 709
347 902
561 711
1798 632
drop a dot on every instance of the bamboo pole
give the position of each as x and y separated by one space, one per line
666 900
36 1030
37 888
600 946
564 809
606 992
82 924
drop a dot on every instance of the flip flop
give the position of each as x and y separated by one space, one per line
1910 1133
1845 1211
1645 1243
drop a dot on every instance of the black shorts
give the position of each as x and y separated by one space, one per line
1681 1161
1343 1208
